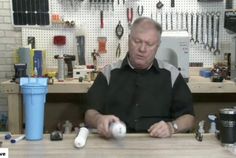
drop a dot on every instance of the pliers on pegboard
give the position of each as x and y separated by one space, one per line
118 51
129 16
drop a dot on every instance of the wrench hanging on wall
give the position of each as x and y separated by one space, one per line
202 28
191 38
166 20
177 21
196 33
171 20
217 50
181 20
212 48
206 45
186 21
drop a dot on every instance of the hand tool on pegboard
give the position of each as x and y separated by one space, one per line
186 21
202 29
166 20
196 32
177 21
140 10
212 47
217 50
206 45
112 3
159 6
172 3
31 42
191 38
181 20
119 34
171 20
102 40
129 14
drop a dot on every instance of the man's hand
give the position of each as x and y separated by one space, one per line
161 129
103 122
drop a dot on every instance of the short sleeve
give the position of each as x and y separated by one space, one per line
181 98
97 93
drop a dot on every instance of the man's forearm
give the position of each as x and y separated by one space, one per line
91 118
185 123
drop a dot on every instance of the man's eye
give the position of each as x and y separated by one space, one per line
149 44
137 41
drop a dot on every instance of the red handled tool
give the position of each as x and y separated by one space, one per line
130 16
101 20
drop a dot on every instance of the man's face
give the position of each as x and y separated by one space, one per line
144 41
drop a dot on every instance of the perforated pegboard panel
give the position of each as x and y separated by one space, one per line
87 19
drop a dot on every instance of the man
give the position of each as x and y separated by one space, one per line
146 94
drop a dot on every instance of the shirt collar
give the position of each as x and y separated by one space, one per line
126 63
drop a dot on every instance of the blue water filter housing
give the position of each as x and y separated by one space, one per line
34 92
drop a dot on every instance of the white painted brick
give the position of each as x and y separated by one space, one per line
2 61
7 40
12 47
2 47
5 68
6 61
1 5
7 19
10 74
5 12
6 27
6 54
18 41
2 74
1 19
6 5
1 33
4 79
12 34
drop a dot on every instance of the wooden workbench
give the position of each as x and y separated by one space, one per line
197 85
133 145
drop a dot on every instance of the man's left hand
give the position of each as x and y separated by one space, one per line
161 129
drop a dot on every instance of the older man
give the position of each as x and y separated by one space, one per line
146 94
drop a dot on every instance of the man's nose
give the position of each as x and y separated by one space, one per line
142 47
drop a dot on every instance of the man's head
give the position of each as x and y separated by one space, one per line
144 40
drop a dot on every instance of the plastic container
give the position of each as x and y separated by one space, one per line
34 92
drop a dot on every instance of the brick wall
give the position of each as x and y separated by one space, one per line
10 39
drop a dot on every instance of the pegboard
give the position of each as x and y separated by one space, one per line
87 20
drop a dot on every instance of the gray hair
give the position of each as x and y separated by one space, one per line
156 25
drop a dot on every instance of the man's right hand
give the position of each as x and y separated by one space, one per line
103 122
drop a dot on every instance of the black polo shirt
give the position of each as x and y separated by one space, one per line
140 98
